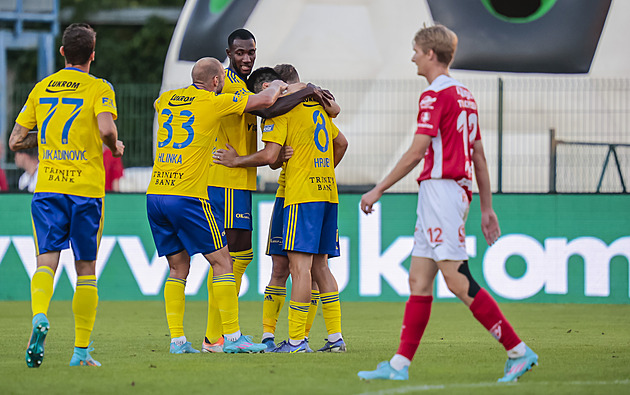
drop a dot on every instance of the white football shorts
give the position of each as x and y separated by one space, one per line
440 232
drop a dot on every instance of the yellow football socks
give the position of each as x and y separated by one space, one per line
214 327
298 314
42 289
240 261
272 304
84 305
331 310
312 311
175 301
227 300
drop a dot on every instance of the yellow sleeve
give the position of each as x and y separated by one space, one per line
27 117
105 100
227 104
274 130
334 130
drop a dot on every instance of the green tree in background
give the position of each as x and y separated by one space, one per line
124 54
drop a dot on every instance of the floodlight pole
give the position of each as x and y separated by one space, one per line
17 38
500 138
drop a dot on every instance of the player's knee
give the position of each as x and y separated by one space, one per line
473 287
419 286
280 272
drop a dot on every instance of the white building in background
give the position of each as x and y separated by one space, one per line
361 50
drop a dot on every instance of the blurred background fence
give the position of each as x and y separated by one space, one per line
542 134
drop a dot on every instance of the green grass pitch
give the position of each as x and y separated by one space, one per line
583 349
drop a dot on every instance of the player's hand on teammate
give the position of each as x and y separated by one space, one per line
490 226
368 200
286 152
280 85
120 149
226 157
292 88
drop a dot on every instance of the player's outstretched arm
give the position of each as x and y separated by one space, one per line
340 145
407 162
267 97
489 221
229 157
109 133
21 138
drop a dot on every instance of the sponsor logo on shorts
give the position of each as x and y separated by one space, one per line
268 128
276 240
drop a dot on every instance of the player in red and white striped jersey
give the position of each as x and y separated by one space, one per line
448 138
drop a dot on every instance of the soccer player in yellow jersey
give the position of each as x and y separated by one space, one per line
230 189
180 214
74 113
310 217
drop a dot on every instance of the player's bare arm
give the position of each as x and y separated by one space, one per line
407 162
340 145
294 94
292 88
267 97
230 158
286 152
489 221
109 133
327 100
21 138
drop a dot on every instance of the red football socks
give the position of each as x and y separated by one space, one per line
487 312
415 320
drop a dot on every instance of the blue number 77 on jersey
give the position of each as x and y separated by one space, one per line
54 101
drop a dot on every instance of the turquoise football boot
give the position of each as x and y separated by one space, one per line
185 348
82 357
243 344
516 367
384 371
35 349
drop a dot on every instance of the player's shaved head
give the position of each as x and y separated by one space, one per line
205 69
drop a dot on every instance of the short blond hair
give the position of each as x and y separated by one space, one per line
439 38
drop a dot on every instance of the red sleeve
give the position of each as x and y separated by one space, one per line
117 168
429 114
4 185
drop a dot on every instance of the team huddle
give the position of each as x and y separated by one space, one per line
208 133
199 200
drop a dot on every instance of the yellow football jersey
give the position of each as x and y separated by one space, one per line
310 173
64 107
189 120
281 178
240 132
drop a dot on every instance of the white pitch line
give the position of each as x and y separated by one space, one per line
418 388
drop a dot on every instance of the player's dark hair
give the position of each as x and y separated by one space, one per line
32 152
78 43
259 77
240 34
287 72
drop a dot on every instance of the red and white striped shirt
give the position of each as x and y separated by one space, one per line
448 113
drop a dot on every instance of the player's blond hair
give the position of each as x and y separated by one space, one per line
439 38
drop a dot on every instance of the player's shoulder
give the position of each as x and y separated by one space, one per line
232 78
444 84
101 82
